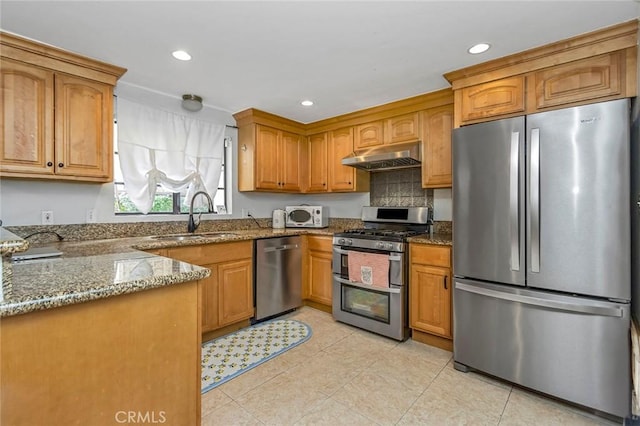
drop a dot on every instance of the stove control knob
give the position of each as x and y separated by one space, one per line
389 246
341 241
349 241
380 245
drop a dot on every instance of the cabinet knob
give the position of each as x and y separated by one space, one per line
49 164
60 165
324 184
349 183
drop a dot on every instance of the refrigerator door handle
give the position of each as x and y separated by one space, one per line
514 230
534 200
545 303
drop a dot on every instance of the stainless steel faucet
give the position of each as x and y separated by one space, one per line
193 225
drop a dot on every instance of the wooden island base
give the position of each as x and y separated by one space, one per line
133 358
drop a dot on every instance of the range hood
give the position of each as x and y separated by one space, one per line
386 157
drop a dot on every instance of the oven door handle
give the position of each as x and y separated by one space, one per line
393 257
366 286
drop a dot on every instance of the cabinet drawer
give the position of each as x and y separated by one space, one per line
431 255
320 243
212 253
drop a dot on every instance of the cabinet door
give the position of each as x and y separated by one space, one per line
208 290
235 291
368 135
267 175
430 295
320 277
341 178
26 99
403 128
437 124
289 162
578 81
493 99
317 164
84 123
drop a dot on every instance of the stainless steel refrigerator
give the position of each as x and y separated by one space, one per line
541 252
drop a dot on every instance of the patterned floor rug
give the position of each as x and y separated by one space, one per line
229 356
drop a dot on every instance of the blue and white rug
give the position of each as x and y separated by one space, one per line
227 357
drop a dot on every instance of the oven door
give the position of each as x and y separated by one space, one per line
380 310
340 266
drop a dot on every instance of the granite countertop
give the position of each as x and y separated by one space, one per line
437 239
11 243
95 269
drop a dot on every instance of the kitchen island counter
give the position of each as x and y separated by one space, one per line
96 269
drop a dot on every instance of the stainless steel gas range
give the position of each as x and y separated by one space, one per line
370 270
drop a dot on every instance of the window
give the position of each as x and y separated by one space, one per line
165 202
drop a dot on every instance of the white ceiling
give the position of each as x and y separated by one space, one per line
269 55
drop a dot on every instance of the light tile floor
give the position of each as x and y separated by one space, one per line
347 376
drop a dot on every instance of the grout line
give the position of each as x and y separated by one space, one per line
505 405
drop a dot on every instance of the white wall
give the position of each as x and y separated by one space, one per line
21 201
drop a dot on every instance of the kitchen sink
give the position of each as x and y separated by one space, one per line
177 237
218 234
182 237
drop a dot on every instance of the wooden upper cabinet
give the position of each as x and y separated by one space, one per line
369 135
290 160
436 147
402 128
317 163
57 113
277 156
267 173
493 99
341 178
592 78
26 99
592 67
84 123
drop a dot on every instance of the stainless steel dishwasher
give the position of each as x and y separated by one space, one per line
277 276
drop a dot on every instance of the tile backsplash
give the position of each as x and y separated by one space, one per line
399 188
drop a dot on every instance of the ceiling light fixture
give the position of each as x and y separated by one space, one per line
181 55
479 48
306 102
192 103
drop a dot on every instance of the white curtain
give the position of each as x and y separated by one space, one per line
162 148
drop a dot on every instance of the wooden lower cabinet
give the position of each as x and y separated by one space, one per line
430 294
93 363
227 293
317 270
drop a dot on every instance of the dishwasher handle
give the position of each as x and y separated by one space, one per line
281 248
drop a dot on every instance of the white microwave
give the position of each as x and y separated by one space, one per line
307 216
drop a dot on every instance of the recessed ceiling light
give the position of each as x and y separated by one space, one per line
306 102
181 55
479 48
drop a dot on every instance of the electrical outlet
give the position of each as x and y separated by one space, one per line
47 217
90 216
246 212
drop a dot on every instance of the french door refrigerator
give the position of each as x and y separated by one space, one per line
541 252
